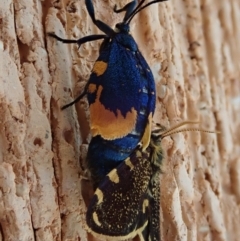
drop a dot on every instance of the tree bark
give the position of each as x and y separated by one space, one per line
193 49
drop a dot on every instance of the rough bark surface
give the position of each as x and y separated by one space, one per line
193 49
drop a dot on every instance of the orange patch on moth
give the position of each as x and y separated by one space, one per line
105 123
92 88
99 68
147 133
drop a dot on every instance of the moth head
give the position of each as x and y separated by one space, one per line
122 28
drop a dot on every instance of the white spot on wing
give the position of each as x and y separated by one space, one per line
95 219
113 176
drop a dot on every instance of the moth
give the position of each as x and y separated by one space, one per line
120 92
126 202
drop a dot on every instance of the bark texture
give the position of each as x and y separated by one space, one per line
193 48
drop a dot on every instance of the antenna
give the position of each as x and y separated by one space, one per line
139 8
162 132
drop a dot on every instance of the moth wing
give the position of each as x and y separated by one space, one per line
152 231
121 82
119 208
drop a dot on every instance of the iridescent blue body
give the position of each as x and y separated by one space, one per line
126 83
120 92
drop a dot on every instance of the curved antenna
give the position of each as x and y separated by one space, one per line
162 129
129 8
162 132
188 129
138 9
100 24
183 123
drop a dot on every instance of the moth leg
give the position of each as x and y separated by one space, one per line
75 100
79 41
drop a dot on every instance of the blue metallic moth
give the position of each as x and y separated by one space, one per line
120 93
